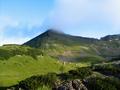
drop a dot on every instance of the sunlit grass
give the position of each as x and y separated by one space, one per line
21 67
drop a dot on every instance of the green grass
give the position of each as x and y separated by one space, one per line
21 67
91 59
44 88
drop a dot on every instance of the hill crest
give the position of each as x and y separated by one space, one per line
58 37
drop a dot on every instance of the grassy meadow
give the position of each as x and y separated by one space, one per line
19 67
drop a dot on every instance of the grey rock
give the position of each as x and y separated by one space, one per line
71 85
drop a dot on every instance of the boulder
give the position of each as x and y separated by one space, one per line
70 85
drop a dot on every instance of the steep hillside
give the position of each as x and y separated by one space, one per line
109 46
55 37
64 45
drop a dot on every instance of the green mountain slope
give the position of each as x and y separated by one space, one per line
54 52
55 37
69 46
63 46
66 47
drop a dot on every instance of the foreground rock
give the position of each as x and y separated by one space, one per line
70 85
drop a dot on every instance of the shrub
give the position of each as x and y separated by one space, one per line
81 72
35 82
100 84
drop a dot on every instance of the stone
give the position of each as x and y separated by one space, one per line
70 85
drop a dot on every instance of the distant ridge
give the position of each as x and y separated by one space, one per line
108 46
58 37
111 37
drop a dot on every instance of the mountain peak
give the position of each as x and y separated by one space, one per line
52 36
53 31
50 30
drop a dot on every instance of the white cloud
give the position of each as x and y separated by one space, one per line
19 40
7 21
112 7
69 13
13 31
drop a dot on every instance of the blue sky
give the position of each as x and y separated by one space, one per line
21 20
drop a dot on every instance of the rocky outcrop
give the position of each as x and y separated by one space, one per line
70 85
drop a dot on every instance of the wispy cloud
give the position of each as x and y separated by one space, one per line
21 19
74 13
112 7
7 21
16 32
14 40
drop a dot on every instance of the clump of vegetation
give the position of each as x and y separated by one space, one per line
50 79
79 73
35 82
110 69
9 51
103 84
